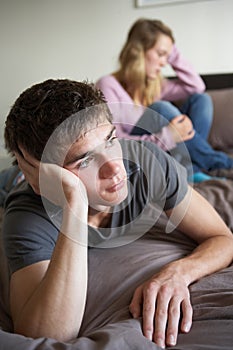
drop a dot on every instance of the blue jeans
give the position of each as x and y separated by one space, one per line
199 109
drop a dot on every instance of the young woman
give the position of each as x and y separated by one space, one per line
149 47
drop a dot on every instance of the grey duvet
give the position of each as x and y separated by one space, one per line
113 276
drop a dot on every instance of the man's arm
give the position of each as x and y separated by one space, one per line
163 298
48 298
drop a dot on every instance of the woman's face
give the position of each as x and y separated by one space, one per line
157 56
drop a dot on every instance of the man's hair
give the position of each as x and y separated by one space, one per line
42 108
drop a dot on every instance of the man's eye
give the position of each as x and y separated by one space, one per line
85 162
110 142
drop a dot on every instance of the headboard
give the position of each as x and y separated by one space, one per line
218 81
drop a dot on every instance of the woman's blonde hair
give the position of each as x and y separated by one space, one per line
141 37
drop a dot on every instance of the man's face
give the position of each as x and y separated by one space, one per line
97 160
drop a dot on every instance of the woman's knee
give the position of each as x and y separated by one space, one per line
202 105
166 109
204 100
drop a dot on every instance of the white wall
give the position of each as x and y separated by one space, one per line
81 39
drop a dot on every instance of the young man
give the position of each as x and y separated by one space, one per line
88 188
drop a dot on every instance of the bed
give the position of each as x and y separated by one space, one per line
115 273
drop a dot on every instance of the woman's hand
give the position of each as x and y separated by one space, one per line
60 186
181 128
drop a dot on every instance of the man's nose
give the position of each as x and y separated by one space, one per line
109 169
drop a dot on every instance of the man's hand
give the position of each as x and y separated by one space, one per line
61 187
181 128
163 301
58 185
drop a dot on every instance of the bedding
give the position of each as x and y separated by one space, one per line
115 273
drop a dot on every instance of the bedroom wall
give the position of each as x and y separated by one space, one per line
81 39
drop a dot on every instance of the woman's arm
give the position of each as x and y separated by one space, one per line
188 81
48 298
126 115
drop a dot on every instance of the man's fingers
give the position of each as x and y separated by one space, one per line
29 158
149 302
30 170
22 163
135 306
173 321
187 315
161 316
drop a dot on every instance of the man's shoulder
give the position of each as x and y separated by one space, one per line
22 197
149 159
139 148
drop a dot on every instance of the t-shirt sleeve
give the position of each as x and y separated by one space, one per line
168 179
28 238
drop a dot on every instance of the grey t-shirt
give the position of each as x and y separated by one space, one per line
156 182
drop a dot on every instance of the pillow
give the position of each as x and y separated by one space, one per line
222 128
